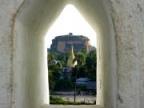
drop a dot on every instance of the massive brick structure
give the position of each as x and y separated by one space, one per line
63 43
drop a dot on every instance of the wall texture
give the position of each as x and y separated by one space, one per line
125 90
8 10
128 19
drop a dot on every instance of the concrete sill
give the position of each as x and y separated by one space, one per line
72 106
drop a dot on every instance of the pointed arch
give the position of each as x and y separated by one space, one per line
32 22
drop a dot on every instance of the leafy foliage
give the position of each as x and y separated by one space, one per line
86 67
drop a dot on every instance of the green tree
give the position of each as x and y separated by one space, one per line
54 69
79 69
80 58
91 64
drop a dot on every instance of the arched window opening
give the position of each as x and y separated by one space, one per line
30 57
71 47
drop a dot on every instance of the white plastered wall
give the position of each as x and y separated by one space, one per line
32 22
22 54
30 58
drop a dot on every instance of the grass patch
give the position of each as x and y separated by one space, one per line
60 101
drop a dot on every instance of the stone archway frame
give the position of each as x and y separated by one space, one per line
32 22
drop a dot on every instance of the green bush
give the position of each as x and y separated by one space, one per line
56 100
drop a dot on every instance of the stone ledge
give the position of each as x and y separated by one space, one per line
71 106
